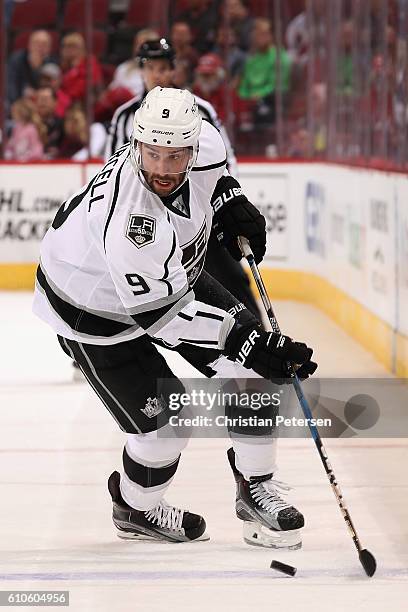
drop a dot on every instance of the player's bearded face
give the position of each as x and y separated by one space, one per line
164 167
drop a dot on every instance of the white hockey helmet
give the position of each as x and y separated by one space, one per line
167 117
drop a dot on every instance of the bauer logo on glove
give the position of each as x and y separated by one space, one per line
235 216
267 353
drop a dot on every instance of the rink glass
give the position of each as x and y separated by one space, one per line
348 88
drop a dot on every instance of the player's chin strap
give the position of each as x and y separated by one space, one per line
367 560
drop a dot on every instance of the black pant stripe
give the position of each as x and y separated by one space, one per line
146 476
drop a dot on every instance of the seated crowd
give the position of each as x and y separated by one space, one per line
49 97
224 52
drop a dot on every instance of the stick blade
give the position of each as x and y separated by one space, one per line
368 562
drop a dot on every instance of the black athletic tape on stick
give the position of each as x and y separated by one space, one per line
367 560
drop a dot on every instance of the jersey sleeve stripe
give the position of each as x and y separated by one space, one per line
164 301
151 317
115 316
209 315
80 320
182 315
170 314
166 267
169 287
113 205
166 263
210 167
209 342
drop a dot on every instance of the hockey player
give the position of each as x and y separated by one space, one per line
121 269
156 58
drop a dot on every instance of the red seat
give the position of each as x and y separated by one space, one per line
99 43
296 7
108 70
147 14
181 6
21 39
261 8
75 14
34 14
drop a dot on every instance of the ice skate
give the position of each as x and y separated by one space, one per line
163 522
269 520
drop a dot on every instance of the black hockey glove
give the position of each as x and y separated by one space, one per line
235 216
267 353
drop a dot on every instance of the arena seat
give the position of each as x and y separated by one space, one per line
99 43
74 15
146 13
33 14
260 8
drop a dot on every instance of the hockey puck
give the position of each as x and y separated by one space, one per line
282 567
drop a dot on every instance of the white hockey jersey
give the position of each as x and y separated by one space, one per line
118 263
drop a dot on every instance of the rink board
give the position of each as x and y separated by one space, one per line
337 238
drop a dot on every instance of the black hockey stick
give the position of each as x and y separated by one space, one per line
367 560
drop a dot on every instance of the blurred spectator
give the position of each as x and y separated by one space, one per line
299 143
181 39
25 143
95 147
75 143
117 10
109 101
237 16
259 80
210 84
233 57
384 93
46 104
74 68
300 32
50 76
345 77
319 105
181 75
380 12
128 75
75 131
24 65
202 16
8 12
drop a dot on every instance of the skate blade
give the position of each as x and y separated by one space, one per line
145 537
256 534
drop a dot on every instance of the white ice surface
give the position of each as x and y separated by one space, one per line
58 445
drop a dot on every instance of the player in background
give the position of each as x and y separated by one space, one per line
156 58
121 269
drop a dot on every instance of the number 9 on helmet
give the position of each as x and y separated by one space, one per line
167 118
